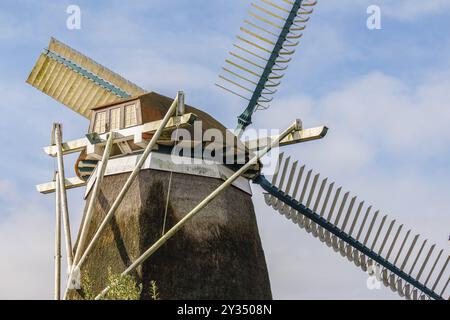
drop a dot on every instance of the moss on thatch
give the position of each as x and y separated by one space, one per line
218 255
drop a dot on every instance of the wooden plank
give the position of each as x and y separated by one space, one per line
70 183
300 136
129 134
94 67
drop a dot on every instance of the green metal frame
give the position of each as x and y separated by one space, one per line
245 119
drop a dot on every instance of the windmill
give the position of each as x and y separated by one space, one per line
209 234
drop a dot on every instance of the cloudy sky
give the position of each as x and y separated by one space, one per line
383 93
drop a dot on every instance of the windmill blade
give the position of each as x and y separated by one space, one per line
430 282
77 81
269 36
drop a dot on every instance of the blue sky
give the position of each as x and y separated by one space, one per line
383 93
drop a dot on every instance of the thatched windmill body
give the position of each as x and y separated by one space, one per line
157 214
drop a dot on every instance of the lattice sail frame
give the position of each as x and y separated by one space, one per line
77 81
373 245
264 48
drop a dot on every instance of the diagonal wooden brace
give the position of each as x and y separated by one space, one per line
202 205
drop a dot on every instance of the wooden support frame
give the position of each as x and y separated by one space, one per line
299 136
90 209
162 125
57 129
70 183
201 205
101 149
57 241
133 134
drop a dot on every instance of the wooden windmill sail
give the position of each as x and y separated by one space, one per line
192 227
77 81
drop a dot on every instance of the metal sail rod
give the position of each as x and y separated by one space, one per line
291 177
394 241
434 267
277 169
63 194
327 198
274 191
408 255
355 220
386 237
378 233
418 256
402 247
445 287
361 228
319 196
333 205
424 264
312 190
297 184
202 205
438 279
245 119
349 212
305 186
375 216
341 208
285 169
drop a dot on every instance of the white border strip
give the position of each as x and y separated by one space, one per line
164 162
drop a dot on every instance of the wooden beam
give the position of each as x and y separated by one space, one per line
50 187
124 135
174 230
57 130
295 137
57 242
94 198
112 210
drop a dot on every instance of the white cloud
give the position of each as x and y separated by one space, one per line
7 190
27 231
375 113
415 9
26 239
402 10
385 141
301 267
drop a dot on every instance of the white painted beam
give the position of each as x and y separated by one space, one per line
133 134
295 137
112 210
50 187
166 237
